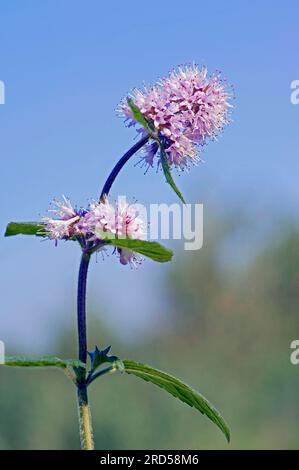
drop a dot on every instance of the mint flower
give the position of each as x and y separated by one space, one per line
174 117
100 221
119 221
186 109
65 225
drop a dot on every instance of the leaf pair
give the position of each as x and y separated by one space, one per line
167 382
152 250
139 117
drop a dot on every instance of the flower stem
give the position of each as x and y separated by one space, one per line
81 306
121 162
85 424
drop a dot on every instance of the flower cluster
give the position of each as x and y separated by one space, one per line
92 225
186 108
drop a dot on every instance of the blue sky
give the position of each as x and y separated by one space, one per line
65 66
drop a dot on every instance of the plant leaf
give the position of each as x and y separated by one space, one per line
71 367
152 250
25 228
139 117
45 361
168 175
178 389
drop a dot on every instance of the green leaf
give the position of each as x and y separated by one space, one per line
139 117
178 389
168 175
71 367
44 361
152 250
25 228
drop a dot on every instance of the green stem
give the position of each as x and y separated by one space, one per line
85 424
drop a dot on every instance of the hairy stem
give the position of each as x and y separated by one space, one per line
85 424
123 160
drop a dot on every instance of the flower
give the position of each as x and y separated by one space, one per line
65 226
119 221
186 108
99 221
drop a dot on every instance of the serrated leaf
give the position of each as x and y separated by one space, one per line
25 228
168 175
152 250
71 367
178 389
45 361
139 117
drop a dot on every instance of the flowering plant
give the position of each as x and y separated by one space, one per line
174 118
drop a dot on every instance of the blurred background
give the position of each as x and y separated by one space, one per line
221 318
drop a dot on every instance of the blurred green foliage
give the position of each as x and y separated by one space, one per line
228 334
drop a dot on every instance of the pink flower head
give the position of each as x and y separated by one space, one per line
64 224
186 108
101 220
119 221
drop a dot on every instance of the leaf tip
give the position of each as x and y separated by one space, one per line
8 230
226 432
